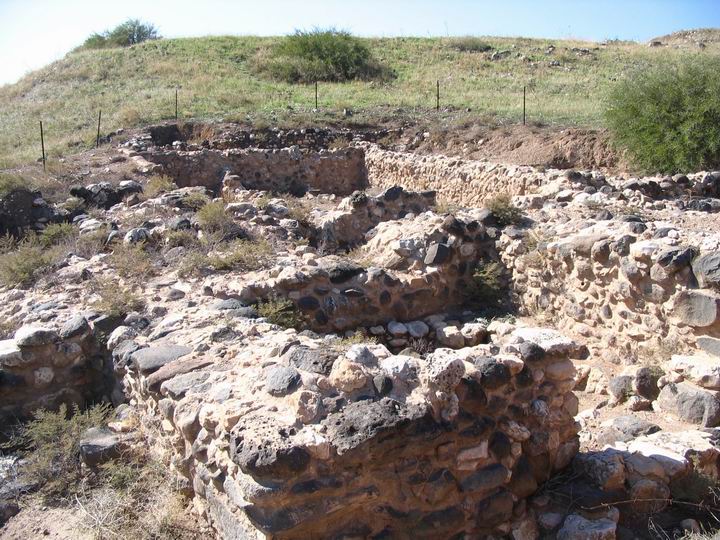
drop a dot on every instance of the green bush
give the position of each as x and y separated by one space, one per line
281 311
130 32
322 55
667 117
503 210
469 44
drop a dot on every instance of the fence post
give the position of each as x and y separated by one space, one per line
437 97
176 104
523 105
42 144
97 138
316 95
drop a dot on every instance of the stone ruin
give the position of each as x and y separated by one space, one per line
401 408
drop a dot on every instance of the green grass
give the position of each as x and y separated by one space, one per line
136 85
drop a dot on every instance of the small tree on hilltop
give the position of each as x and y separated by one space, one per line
131 32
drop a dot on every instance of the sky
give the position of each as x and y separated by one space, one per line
34 33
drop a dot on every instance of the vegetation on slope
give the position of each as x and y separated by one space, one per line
131 32
216 80
320 55
667 117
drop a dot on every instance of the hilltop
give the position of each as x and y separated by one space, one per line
566 82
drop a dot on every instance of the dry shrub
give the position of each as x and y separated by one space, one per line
157 184
244 255
213 219
114 299
90 244
21 267
195 200
51 442
131 261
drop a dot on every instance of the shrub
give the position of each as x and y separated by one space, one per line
503 210
214 220
485 289
280 311
469 44
244 255
157 184
130 32
131 261
322 55
11 182
195 200
667 117
89 244
21 267
181 238
57 233
115 300
51 440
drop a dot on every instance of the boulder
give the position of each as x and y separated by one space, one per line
707 269
577 527
35 336
697 308
151 359
99 445
690 403
702 370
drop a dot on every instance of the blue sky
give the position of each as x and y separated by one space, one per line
36 32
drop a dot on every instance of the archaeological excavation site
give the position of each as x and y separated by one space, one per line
330 334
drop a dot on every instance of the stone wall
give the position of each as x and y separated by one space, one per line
283 171
356 215
295 439
409 268
43 368
621 291
458 181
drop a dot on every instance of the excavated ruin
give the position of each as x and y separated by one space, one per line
437 418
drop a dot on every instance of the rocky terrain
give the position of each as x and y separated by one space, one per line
332 340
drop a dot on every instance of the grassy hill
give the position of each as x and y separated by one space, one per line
136 85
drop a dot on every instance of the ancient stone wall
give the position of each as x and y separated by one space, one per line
283 171
356 215
412 268
42 368
623 292
458 181
297 440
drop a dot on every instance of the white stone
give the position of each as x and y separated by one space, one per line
702 370
450 336
551 341
10 354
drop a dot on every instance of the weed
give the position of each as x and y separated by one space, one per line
57 233
213 219
11 182
281 311
503 210
114 299
131 261
21 267
157 184
181 238
90 244
51 441
356 338
243 255
195 200
469 44
485 288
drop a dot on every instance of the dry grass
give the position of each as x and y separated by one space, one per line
131 261
239 255
114 299
158 184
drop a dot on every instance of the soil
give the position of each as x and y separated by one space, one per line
42 522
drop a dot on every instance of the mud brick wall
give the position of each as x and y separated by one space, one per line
283 171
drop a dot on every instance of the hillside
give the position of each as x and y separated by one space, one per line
566 86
